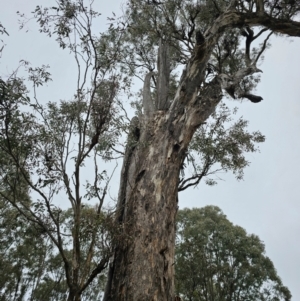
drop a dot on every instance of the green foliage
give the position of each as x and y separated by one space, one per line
23 251
216 260
178 22
218 146
46 151
31 263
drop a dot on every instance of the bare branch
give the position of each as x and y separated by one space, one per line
263 47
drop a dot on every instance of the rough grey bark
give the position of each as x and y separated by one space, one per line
148 104
163 67
145 259
147 202
144 262
132 141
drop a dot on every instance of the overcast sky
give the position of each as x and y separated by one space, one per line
267 202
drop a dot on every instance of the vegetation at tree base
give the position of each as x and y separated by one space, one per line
216 260
182 133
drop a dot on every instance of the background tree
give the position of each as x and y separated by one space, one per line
216 260
34 270
43 150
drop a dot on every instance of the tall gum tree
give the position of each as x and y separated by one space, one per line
204 37
212 43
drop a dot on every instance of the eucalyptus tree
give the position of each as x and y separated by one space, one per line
32 267
44 152
210 43
216 260
213 44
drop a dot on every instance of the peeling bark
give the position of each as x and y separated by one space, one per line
133 138
145 261
163 67
148 104
143 267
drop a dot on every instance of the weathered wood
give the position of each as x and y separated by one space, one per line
148 104
163 67
145 261
143 267
132 141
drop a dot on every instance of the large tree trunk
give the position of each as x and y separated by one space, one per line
144 262
143 265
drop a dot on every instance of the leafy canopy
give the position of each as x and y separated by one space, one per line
216 260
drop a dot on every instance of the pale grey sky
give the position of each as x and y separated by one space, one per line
267 202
